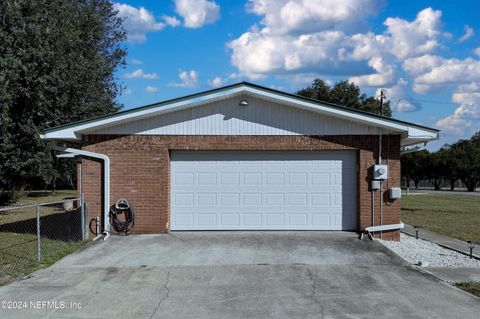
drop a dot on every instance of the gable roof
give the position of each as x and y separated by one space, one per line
411 133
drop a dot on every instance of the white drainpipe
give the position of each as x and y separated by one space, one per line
106 181
370 230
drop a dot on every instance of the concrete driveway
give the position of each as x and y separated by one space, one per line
238 275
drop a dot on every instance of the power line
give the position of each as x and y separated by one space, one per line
425 101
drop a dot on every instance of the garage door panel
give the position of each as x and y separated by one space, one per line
298 219
321 219
252 178
269 190
298 178
321 199
183 220
207 219
297 199
275 219
229 219
321 178
252 199
229 199
229 178
252 219
207 199
207 178
184 199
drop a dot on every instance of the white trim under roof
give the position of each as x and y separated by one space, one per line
411 133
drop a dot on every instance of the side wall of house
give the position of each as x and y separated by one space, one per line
140 170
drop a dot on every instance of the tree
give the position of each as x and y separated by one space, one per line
449 165
346 94
421 160
409 164
468 154
435 167
57 64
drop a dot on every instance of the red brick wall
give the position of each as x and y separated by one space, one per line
140 169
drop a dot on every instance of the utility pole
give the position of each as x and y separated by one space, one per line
382 96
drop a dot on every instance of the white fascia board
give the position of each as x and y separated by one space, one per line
74 133
414 132
356 117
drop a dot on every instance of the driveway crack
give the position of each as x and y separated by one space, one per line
167 293
314 292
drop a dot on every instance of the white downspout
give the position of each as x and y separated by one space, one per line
370 230
106 181
380 146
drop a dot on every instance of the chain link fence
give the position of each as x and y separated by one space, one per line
39 234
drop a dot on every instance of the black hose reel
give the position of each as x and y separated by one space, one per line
122 216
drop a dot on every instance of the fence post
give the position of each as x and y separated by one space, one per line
39 253
82 213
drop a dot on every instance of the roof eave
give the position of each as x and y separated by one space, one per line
74 131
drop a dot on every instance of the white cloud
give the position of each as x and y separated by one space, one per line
453 124
259 53
302 36
417 37
171 21
136 61
127 92
466 117
452 71
307 16
300 80
189 79
386 74
315 36
196 13
138 21
432 73
139 74
418 65
468 34
216 82
151 89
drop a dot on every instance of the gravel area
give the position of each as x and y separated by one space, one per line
426 254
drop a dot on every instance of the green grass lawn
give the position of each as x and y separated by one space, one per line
18 246
45 196
471 287
18 254
452 215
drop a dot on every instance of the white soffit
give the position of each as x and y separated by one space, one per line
411 133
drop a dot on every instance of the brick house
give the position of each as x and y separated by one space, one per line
243 157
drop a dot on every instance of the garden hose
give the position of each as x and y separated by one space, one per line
122 216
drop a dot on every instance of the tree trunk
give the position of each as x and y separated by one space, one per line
436 184
471 184
452 184
416 182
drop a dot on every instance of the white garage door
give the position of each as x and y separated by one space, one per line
263 190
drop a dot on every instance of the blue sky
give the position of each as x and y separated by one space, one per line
426 54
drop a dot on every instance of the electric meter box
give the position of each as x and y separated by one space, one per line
375 185
380 172
395 193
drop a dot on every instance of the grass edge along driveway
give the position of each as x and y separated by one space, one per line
456 216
